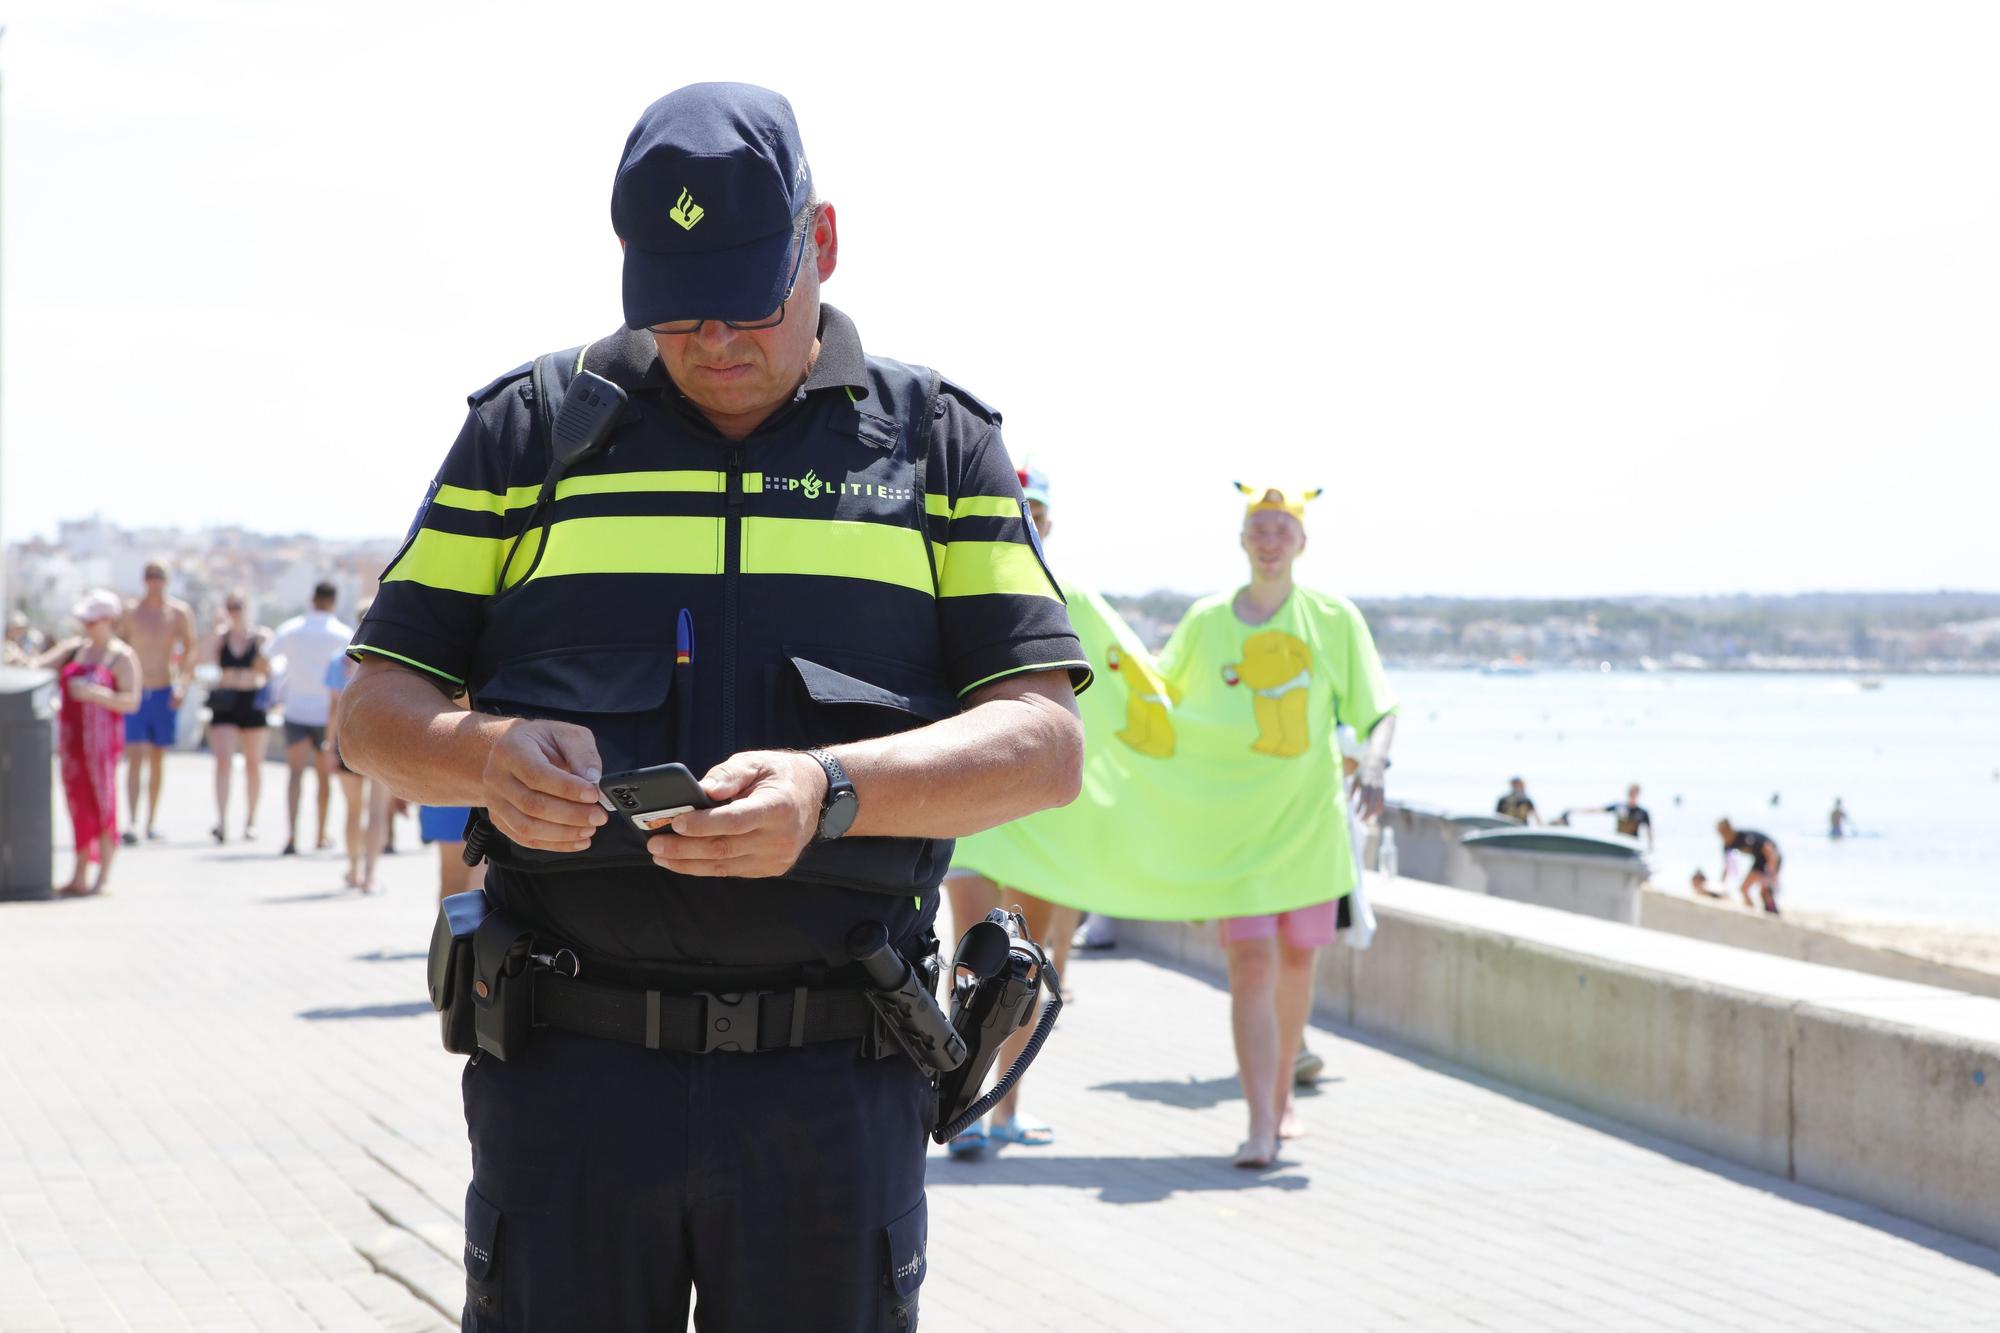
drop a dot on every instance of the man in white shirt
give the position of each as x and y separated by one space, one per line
300 651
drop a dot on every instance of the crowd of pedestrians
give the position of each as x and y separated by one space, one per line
123 680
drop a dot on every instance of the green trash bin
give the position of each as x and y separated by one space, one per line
27 746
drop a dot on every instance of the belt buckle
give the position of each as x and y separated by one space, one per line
729 1021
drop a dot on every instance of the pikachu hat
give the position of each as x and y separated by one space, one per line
1271 497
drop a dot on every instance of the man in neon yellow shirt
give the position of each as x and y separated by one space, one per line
1260 679
1211 790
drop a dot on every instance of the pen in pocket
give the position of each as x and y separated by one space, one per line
683 682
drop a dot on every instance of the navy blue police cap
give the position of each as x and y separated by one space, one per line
712 177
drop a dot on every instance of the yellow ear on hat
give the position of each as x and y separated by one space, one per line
1271 497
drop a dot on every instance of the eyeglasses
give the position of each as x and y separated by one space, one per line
678 327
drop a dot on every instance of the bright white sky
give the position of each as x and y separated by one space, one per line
1553 298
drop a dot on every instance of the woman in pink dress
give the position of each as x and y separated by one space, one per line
98 680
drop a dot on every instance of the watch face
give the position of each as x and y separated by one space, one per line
838 816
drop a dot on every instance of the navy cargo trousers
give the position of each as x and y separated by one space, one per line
610 1183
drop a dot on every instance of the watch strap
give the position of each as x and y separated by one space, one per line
837 786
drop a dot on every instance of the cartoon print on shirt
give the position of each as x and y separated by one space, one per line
1148 728
1278 669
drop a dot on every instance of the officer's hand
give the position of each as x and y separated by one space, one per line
541 784
773 812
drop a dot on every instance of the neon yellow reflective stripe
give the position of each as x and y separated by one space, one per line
1024 670
632 545
524 557
973 569
972 506
448 560
753 483
521 497
842 549
485 502
357 652
986 506
625 483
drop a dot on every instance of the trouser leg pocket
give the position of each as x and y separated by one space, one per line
903 1267
482 1266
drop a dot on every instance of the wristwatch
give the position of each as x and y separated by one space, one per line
837 811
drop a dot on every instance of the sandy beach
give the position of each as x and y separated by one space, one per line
1960 945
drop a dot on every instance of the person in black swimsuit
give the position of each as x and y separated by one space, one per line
1765 860
236 711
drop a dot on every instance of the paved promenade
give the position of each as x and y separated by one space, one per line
223 1107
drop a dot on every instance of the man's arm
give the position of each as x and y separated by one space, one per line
537 779
1369 793
1017 748
180 668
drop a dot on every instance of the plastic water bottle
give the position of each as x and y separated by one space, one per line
1385 855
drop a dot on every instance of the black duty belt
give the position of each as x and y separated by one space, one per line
700 1023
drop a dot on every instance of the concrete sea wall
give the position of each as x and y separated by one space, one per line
1876 1088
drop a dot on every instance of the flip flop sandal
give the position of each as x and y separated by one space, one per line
1027 1133
968 1143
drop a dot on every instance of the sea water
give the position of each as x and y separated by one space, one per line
1916 759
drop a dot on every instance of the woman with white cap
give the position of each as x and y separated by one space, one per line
99 683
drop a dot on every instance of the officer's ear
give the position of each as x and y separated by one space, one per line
826 242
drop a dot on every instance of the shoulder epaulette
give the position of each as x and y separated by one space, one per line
478 396
984 411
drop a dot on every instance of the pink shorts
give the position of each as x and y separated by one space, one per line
1303 927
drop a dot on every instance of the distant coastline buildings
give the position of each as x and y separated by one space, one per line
44 578
1854 632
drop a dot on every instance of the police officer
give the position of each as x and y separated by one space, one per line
803 571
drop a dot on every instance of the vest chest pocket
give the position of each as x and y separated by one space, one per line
859 699
620 694
818 704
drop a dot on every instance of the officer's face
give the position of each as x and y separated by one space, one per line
738 377
1272 540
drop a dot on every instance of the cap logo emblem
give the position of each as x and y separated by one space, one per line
686 211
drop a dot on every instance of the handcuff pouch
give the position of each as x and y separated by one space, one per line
449 974
502 990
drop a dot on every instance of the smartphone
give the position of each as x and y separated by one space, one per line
649 797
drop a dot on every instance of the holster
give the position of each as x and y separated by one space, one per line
451 966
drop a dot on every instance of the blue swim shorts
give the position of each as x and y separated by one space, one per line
441 823
153 724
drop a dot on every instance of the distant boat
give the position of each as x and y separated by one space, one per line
1870 682
1506 666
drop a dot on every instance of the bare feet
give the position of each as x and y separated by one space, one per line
1290 1126
73 889
1258 1152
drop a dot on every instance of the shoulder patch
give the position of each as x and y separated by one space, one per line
982 410
485 394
